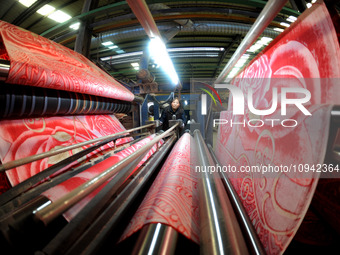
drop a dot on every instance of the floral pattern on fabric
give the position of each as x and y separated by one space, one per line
307 56
38 61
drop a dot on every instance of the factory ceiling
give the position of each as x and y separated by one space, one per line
201 36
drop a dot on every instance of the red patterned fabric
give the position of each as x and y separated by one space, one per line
4 183
62 189
306 55
37 61
27 137
173 197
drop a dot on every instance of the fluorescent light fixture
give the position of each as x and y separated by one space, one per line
194 55
107 43
123 61
309 5
238 66
136 68
278 29
75 26
245 56
27 3
160 55
242 60
195 49
113 47
291 19
313 1
126 55
266 40
120 51
185 102
134 64
46 10
232 73
240 63
59 16
256 46
284 24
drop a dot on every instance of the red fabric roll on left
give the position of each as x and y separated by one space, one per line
62 189
38 61
27 137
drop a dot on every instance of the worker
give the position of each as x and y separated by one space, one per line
173 111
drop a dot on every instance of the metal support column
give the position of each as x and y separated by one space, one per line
83 40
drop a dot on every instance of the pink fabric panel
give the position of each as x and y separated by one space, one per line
62 189
27 137
173 197
306 56
37 61
276 203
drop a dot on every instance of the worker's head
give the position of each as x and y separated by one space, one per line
175 104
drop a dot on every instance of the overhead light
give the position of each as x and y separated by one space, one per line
27 3
75 26
284 24
309 5
266 40
194 55
313 1
135 64
278 29
122 61
240 63
46 10
291 19
196 49
126 55
245 56
243 59
113 47
160 55
185 102
256 46
233 72
59 16
120 51
107 43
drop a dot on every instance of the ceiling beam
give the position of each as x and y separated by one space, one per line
83 39
226 51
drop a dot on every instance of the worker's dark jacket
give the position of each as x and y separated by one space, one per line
167 115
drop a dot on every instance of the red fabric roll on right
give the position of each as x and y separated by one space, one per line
277 166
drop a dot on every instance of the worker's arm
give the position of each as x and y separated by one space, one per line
183 117
163 116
